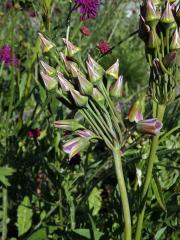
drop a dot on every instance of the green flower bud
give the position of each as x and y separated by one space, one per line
175 43
116 88
72 49
80 100
114 70
134 114
153 40
65 84
151 16
95 70
98 97
68 124
85 85
167 16
47 69
49 82
46 45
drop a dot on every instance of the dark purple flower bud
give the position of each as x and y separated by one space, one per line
170 59
149 126
34 133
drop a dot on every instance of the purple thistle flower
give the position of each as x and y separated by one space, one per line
6 56
88 8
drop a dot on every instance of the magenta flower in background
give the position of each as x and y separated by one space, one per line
6 56
34 133
85 31
104 47
88 8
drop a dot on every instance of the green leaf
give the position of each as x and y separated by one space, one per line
158 191
83 232
25 213
4 173
96 233
95 200
39 235
159 233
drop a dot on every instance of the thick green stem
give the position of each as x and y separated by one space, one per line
123 192
152 155
5 214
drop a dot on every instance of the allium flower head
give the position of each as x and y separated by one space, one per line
6 56
88 8
104 47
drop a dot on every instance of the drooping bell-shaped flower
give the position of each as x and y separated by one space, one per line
114 70
75 146
68 124
65 84
135 114
47 69
49 82
72 49
46 45
79 99
116 88
86 133
149 126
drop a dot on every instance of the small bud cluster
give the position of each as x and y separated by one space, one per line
159 29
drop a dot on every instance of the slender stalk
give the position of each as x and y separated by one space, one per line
152 155
123 191
4 213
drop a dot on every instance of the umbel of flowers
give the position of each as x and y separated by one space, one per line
159 29
93 93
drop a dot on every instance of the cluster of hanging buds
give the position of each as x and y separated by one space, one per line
159 29
90 90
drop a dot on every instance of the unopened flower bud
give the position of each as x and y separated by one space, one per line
49 82
167 16
75 146
134 114
153 40
47 69
116 88
151 16
46 45
175 43
144 29
95 70
149 126
98 97
86 133
85 85
65 61
170 59
75 71
65 84
72 49
79 99
114 70
68 124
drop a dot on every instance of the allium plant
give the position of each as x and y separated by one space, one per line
159 29
93 92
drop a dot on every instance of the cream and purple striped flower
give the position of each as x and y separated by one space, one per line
150 126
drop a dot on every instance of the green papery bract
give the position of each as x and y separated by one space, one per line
47 69
85 85
116 88
98 97
72 49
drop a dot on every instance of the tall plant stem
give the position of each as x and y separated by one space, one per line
152 155
4 213
123 192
